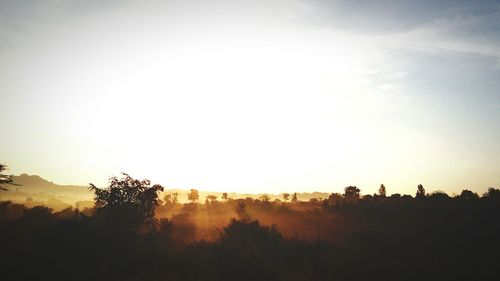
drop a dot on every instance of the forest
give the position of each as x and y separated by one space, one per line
132 234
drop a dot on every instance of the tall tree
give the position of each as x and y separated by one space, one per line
381 191
420 191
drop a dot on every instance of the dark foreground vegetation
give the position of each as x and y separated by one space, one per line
426 237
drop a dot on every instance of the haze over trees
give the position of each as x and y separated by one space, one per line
130 234
193 195
128 201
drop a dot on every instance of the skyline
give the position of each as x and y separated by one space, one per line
253 96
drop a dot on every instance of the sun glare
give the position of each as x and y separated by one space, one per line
214 110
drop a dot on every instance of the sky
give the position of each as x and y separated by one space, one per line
253 96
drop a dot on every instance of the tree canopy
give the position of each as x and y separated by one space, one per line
128 197
351 192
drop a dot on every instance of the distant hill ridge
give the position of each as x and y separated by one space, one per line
34 184
35 181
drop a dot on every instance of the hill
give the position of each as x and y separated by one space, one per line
33 190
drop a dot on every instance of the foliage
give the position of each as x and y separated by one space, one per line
381 191
265 198
468 195
171 199
420 192
493 194
4 179
193 195
286 197
127 198
351 192
377 238
241 211
211 199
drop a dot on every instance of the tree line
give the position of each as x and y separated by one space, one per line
372 237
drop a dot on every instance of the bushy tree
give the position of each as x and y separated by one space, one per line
211 199
468 195
492 193
170 199
265 198
286 197
439 195
248 237
128 200
193 195
334 199
351 192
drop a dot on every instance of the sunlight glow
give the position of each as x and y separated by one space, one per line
265 109
251 100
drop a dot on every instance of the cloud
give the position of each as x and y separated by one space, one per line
427 25
389 16
468 34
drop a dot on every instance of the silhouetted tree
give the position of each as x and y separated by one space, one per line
193 195
241 210
381 191
294 198
492 193
184 229
439 195
468 195
211 199
170 199
249 236
225 197
334 199
128 199
4 179
420 192
351 192
314 201
9 210
265 198
286 197
407 197
164 229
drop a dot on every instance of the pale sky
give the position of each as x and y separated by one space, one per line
253 95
